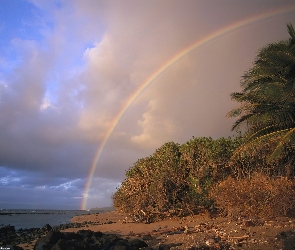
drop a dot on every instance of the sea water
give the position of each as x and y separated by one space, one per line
28 218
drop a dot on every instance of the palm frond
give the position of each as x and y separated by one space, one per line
256 142
289 138
291 32
268 96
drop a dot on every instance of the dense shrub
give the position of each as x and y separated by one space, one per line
251 158
153 185
176 179
205 161
257 196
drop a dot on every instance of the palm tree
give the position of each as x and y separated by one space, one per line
267 98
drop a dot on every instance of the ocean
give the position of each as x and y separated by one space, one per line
28 218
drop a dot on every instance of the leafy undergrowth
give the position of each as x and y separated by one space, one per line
259 196
175 180
178 180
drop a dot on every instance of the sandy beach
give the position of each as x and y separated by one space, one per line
192 232
197 231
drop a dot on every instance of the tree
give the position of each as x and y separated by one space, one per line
268 99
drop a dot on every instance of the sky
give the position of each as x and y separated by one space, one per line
88 87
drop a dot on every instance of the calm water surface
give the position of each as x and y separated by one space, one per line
27 218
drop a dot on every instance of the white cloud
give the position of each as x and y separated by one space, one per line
67 185
8 180
156 128
100 193
46 103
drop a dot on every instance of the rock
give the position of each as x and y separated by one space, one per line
7 235
16 248
86 240
249 223
210 242
147 237
72 236
61 245
283 234
7 230
121 245
109 240
138 243
49 240
164 247
98 234
47 227
81 245
85 233
120 248
42 245
109 245
53 236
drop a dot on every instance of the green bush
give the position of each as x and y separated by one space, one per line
175 180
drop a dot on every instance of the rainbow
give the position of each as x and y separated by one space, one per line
216 34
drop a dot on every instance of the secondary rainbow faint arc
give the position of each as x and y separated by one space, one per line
167 65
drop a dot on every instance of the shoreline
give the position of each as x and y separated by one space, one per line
200 231
28 218
191 232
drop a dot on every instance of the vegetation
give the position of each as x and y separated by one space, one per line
268 101
250 174
176 179
260 196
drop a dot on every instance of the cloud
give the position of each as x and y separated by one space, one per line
63 84
101 191
155 128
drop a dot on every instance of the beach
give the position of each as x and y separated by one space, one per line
200 230
193 232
